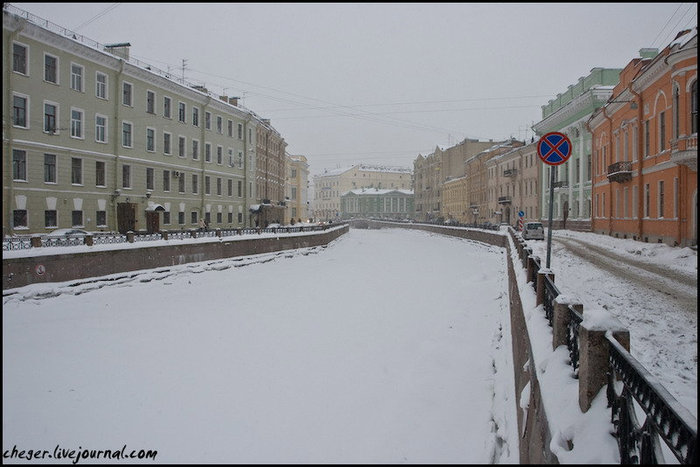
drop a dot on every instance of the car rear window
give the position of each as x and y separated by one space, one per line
534 226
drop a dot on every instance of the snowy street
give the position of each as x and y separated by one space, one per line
650 288
387 346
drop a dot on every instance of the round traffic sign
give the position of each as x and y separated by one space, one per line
521 214
554 148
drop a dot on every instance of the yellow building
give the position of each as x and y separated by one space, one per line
297 190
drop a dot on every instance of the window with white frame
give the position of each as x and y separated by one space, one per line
76 123
20 55
207 120
20 111
150 139
166 180
49 168
100 85
100 128
207 185
100 174
230 128
126 176
219 155
150 178
127 136
207 152
676 111
166 107
662 131
240 131
195 116
166 143
182 144
50 69
50 117
76 171
195 184
50 219
127 94
150 102
76 77
195 149
181 112
219 125
19 165
77 218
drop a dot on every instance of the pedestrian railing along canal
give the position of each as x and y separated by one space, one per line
667 430
103 238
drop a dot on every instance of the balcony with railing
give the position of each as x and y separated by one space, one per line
504 200
620 172
684 151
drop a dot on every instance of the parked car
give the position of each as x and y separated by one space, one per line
533 231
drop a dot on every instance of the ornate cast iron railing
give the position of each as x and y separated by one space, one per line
666 419
575 320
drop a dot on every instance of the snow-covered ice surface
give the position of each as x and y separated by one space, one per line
663 336
387 346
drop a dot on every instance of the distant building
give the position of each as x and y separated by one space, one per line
645 155
332 184
568 114
297 199
376 203
512 185
432 171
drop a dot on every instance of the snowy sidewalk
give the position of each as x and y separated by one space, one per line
388 346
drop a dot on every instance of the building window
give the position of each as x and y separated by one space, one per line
240 189
76 77
230 187
218 186
207 120
50 117
126 134
19 111
166 217
100 129
219 125
166 180
49 168
676 112
127 91
661 199
50 219
150 102
19 217
126 176
100 174
207 217
195 116
76 171
101 85
19 165
219 218
675 198
166 107
101 218
219 155
76 123
646 200
193 217
181 183
195 183
51 69
647 145
19 58
166 143
230 218
150 140
207 185
662 131
150 179
77 218
181 112
207 152
181 218
181 146
195 149
240 131
230 128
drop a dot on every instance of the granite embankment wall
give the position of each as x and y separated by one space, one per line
21 271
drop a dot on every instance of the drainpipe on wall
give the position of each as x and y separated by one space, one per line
640 155
8 131
115 142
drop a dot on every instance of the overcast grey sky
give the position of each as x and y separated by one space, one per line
381 83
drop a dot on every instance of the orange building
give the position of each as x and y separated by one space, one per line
645 148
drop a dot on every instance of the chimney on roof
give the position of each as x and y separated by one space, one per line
120 50
233 101
200 89
648 52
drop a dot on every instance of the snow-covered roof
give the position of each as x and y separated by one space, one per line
366 168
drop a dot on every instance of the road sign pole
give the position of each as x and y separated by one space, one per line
551 211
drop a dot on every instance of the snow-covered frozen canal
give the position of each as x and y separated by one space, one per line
388 346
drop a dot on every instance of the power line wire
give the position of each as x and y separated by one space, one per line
99 15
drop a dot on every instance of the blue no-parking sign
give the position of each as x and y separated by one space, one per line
554 148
